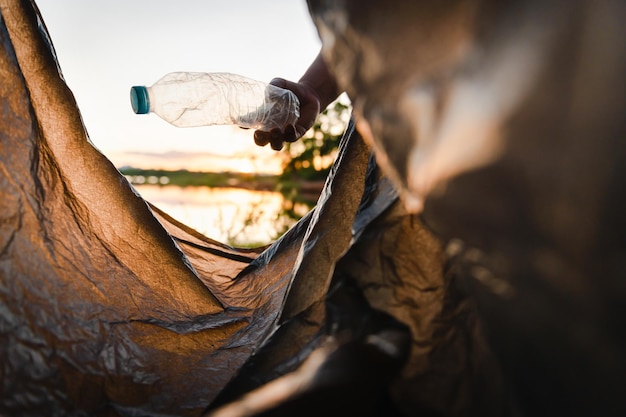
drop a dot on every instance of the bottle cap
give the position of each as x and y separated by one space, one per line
139 99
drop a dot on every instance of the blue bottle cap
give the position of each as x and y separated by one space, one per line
139 99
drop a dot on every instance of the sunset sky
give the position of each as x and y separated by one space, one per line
106 46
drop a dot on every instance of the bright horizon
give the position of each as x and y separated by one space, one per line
106 46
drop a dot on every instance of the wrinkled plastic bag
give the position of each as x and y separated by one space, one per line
111 307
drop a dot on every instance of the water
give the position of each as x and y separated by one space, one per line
234 216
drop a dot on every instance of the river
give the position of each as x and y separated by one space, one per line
235 216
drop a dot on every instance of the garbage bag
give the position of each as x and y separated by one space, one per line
503 124
111 307
503 296
108 305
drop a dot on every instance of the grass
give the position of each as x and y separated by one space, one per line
186 178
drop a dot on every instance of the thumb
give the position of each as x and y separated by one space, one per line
279 82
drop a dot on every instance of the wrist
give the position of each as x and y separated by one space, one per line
320 82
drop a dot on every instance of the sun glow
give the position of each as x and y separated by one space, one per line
213 149
230 215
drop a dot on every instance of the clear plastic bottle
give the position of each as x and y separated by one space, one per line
187 99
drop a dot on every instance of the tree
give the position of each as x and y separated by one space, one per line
310 158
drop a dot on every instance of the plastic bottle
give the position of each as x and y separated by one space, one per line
187 99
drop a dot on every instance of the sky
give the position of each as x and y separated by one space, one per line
106 46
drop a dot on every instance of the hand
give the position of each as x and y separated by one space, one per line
309 110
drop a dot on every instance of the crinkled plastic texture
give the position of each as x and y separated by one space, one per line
109 306
103 307
189 99
507 120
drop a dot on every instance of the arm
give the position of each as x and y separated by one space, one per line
321 81
316 89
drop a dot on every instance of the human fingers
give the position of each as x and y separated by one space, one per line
290 134
262 138
309 106
276 139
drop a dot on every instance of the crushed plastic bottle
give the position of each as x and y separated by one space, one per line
188 99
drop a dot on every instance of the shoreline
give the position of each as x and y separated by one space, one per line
254 182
